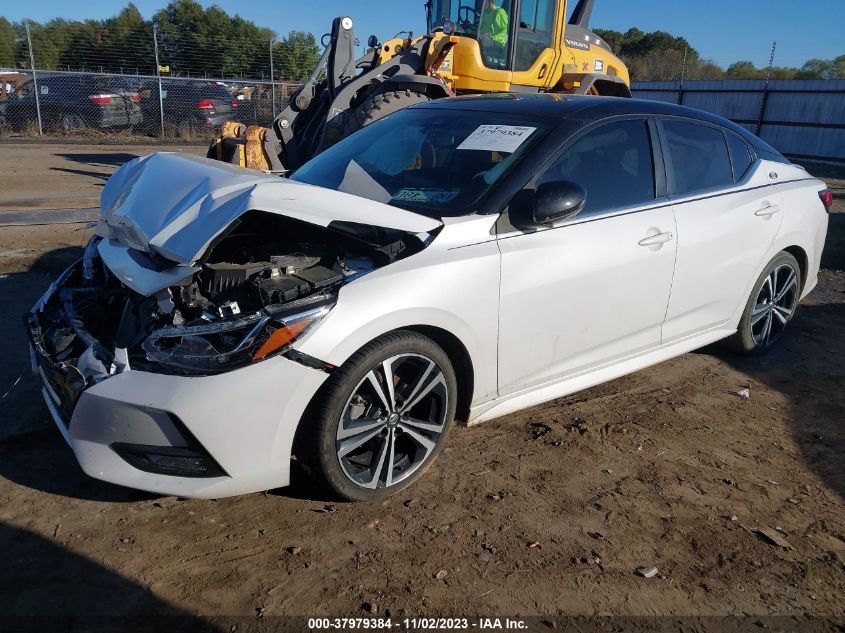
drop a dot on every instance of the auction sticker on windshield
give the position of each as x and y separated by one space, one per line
425 196
497 138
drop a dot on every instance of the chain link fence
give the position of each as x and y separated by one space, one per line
87 103
147 86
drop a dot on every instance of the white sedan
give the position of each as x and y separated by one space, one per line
462 259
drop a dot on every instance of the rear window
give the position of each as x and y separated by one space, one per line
214 91
740 156
698 156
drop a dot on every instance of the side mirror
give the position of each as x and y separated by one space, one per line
558 200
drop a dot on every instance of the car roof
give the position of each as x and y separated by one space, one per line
585 109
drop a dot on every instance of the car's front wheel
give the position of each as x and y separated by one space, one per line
382 417
770 307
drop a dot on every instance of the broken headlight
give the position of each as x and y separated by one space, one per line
229 344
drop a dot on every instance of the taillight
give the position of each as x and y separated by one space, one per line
827 199
234 103
100 99
204 104
135 98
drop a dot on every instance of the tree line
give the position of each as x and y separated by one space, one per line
192 41
660 56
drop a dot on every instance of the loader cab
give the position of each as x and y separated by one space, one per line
525 46
512 35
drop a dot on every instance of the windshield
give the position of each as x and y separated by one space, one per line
435 162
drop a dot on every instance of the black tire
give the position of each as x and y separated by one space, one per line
72 122
379 106
318 446
750 337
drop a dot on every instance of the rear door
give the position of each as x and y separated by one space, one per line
595 288
728 214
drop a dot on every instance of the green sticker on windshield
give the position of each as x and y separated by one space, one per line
425 196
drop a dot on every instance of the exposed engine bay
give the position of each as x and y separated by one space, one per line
269 262
260 285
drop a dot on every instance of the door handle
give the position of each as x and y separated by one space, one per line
656 240
767 210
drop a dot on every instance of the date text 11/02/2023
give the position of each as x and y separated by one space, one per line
417 624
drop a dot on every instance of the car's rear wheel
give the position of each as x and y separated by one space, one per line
72 122
382 418
770 307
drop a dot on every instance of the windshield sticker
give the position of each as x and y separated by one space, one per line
425 196
497 138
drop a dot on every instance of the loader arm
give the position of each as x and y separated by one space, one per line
316 115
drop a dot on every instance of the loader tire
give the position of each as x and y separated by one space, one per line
379 106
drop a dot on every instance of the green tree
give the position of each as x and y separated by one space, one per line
658 41
126 41
706 70
295 56
178 25
199 41
839 67
784 73
633 35
817 69
7 43
614 39
744 70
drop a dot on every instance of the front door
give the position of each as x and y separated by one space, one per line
595 289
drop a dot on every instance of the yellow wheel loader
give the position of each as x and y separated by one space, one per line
472 46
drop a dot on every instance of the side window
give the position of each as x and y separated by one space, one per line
535 32
740 156
698 155
612 162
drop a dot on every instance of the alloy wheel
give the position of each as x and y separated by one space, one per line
392 421
775 305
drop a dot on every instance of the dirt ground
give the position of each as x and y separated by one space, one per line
546 512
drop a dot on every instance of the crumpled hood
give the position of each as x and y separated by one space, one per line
174 205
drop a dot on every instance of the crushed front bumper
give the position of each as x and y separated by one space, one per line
244 420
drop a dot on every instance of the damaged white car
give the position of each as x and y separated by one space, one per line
466 258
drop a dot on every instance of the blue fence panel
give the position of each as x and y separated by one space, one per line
800 118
